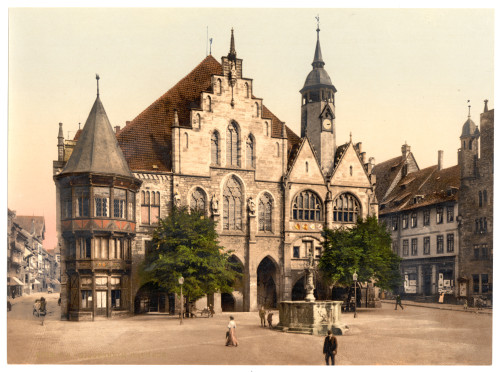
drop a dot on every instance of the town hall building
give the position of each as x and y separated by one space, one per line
207 143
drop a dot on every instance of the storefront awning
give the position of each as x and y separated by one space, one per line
14 281
34 281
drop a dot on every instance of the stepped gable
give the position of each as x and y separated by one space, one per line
432 185
97 150
147 140
385 173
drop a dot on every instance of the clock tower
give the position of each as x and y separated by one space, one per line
318 111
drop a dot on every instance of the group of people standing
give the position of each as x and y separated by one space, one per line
262 314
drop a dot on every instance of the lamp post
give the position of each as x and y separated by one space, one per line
181 282
355 279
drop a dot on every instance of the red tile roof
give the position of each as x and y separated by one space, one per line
147 140
385 173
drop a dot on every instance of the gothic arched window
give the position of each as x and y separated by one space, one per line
215 150
233 205
346 208
233 146
209 103
265 212
250 152
247 90
307 207
256 110
219 86
198 200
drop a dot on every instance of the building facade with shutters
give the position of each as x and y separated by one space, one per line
210 144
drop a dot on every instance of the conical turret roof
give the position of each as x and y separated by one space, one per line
97 149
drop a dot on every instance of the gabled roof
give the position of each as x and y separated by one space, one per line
32 224
97 150
385 173
431 185
147 140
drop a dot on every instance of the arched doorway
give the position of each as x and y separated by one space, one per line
227 302
298 290
266 284
151 299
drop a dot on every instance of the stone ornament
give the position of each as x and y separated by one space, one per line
214 203
177 199
251 206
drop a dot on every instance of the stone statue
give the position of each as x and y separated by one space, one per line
309 282
251 206
215 205
177 199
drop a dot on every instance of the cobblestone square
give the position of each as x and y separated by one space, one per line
415 336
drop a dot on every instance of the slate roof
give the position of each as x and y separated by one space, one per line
147 140
97 150
432 185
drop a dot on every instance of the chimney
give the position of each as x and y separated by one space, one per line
405 150
440 159
371 164
117 129
485 105
363 156
127 122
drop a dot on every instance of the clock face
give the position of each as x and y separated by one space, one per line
327 124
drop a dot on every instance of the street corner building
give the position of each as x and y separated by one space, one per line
207 143
441 219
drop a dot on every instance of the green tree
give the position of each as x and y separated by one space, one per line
364 248
186 244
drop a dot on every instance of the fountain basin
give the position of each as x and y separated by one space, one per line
311 317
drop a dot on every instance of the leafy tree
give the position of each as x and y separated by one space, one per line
185 244
364 248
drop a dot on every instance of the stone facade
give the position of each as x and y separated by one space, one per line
475 211
210 143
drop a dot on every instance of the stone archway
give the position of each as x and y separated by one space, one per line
267 294
227 302
298 290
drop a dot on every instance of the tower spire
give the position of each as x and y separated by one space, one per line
97 78
232 50
468 101
318 58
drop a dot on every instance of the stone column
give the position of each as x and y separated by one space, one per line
433 279
420 279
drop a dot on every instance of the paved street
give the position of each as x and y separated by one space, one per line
416 335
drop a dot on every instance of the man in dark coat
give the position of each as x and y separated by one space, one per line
330 348
398 302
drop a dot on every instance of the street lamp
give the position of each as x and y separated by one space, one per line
181 282
355 278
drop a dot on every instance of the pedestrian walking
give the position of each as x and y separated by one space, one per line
398 302
270 320
231 333
330 348
262 314
211 309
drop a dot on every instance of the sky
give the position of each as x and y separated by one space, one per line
402 75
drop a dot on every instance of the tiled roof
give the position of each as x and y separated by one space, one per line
27 222
385 173
147 140
431 185
77 135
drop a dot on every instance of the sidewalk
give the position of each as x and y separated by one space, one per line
440 306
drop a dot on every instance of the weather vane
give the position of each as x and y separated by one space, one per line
468 101
211 46
317 19
97 78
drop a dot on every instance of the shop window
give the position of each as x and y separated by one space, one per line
450 243
86 299
475 283
439 244
306 207
115 298
484 283
346 208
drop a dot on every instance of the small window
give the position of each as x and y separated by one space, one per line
484 252
405 221
414 219
66 204
82 201
296 252
394 223
115 298
277 149
427 245
414 247
450 243
101 201
219 86
307 167
257 110
484 283
450 214
209 104
267 128
247 90
439 244
439 215
480 199
405 247
186 139
86 299
476 252
119 199
475 283
350 170
427 217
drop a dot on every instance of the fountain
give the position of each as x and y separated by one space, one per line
310 316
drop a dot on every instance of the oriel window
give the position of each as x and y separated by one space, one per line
101 201
119 199
82 201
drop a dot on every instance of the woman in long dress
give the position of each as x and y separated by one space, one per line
231 333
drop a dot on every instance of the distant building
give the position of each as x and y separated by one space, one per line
420 209
475 158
